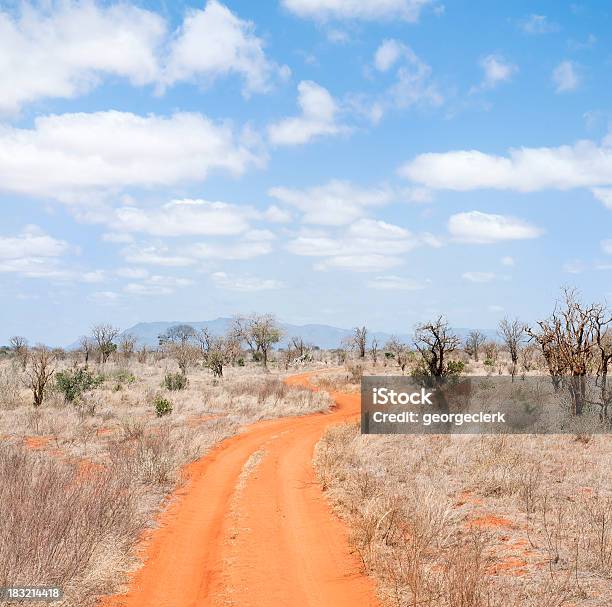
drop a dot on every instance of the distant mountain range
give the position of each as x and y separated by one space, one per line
324 336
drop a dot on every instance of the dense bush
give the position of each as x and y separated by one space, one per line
73 382
174 381
162 406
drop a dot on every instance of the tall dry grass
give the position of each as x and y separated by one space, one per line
512 521
80 481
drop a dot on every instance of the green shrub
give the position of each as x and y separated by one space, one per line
162 406
455 367
240 362
73 382
174 381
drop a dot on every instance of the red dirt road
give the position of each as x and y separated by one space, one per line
251 527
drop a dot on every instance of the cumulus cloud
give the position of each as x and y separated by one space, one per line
244 284
64 49
214 42
412 84
227 251
335 203
484 228
387 54
565 77
394 283
184 217
496 70
155 255
318 117
584 164
604 195
367 245
478 277
32 253
372 10
71 154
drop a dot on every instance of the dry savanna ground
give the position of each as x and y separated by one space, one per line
444 521
81 481
473 521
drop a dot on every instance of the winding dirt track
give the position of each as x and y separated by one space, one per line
251 527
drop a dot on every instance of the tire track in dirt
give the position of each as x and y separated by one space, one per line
258 536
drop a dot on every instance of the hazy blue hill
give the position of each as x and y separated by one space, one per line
324 336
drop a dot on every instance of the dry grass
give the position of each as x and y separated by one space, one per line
475 521
80 481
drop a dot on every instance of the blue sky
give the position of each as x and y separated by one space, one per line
337 162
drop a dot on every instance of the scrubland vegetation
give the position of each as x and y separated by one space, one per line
91 449
94 440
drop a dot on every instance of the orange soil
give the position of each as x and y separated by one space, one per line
260 537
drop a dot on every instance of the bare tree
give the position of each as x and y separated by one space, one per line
178 342
400 352
473 343
215 350
434 340
298 345
127 345
104 336
568 339
40 369
603 339
513 334
374 349
359 340
19 345
87 346
260 332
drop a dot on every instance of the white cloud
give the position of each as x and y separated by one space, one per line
584 164
538 24
277 215
335 203
478 277
105 297
157 285
71 154
483 228
33 253
318 118
507 261
604 195
496 70
244 284
64 52
131 273
412 83
232 251
394 283
155 256
213 42
367 245
565 77
606 246
117 238
64 49
184 217
370 10
387 54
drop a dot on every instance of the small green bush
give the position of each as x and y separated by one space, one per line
240 362
162 406
455 367
174 381
73 382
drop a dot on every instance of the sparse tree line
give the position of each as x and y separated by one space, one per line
573 343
